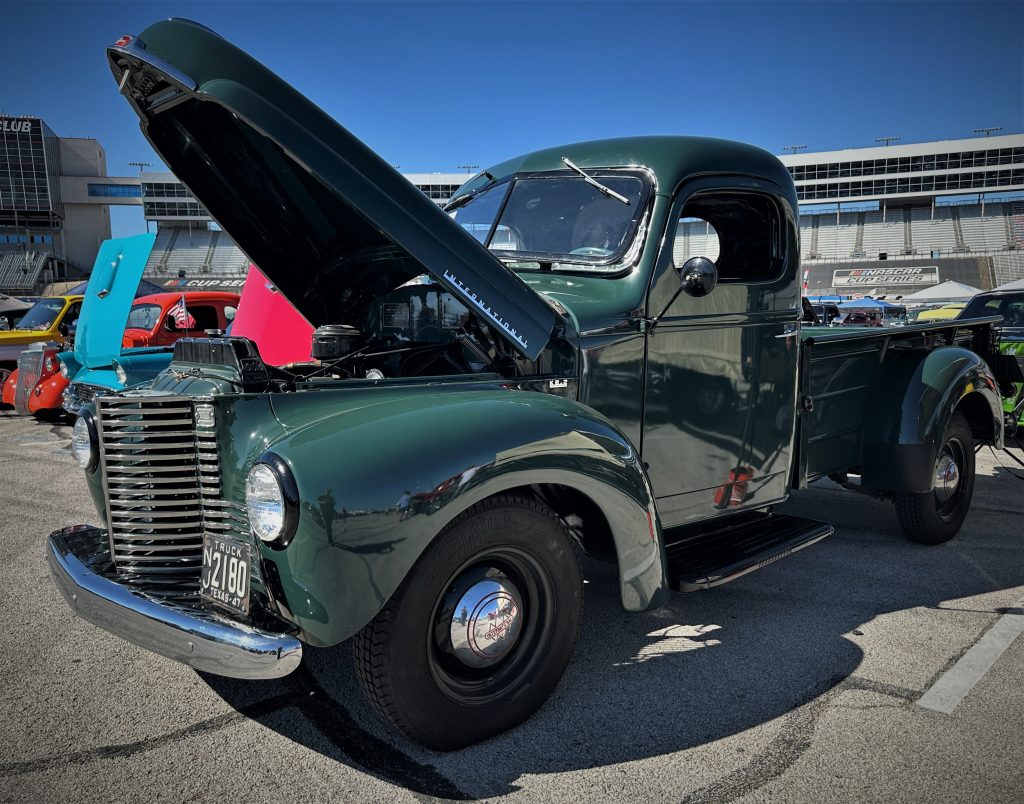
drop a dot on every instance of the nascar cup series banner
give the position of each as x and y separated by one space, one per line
860 277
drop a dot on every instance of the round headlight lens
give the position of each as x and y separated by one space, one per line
121 374
64 372
264 502
81 443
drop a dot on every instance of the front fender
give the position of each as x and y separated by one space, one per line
909 408
7 392
378 482
48 394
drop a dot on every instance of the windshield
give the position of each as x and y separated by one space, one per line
558 218
42 315
1010 307
143 316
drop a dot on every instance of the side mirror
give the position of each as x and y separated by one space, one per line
698 276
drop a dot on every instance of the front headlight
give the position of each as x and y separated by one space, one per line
265 502
272 500
64 371
121 374
83 442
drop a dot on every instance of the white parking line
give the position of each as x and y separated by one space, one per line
955 684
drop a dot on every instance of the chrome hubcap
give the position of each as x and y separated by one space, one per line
947 477
486 622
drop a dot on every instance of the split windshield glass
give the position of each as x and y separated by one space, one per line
42 315
558 219
143 316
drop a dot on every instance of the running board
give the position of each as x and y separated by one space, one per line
725 551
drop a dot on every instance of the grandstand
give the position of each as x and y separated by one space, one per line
181 251
22 272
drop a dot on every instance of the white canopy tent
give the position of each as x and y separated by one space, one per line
948 291
1017 284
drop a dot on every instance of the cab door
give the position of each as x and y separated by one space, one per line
720 392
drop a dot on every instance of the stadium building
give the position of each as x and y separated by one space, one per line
51 226
895 219
882 220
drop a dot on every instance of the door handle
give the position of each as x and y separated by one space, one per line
789 331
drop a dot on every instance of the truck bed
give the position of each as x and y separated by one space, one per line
840 369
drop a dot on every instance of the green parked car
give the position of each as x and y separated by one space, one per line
553 364
1006 301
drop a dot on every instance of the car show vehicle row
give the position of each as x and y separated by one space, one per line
421 417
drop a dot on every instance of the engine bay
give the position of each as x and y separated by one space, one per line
417 330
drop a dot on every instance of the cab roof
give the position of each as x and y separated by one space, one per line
672 158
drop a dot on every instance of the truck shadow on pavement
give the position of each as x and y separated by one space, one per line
707 666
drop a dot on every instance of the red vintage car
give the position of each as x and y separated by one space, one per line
150 323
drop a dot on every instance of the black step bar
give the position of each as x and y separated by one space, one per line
726 550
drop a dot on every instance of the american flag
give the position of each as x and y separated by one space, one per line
182 318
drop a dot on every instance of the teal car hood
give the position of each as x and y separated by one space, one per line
328 221
108 298
141 366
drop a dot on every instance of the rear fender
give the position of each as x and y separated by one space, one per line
378 483
910 407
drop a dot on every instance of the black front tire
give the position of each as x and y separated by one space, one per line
407 660
933 517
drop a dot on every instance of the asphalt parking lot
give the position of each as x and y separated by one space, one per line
864 668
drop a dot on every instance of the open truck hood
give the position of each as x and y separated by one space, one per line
329 222
109 294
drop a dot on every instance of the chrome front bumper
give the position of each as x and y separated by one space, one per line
193 636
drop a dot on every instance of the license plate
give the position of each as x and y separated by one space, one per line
224 578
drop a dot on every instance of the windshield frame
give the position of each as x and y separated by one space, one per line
615 264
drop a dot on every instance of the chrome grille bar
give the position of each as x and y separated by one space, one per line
162 489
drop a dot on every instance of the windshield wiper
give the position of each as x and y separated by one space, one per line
608 191
463 200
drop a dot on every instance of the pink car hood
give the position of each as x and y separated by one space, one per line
281 332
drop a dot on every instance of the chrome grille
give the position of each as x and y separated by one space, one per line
83 392
162 488
30 369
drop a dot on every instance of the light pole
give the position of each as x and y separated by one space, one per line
887 140
468 168
987 131
793 148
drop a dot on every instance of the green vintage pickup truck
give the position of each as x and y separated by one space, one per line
594 348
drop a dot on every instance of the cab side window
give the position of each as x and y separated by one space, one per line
205 318
741 232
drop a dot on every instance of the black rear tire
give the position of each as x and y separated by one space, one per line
411 659
936 516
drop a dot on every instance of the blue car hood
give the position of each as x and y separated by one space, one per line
108 298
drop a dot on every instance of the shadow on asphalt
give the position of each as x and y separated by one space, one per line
707 666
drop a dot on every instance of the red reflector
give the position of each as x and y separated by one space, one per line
650 524
123 41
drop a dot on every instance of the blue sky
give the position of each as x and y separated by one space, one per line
433 85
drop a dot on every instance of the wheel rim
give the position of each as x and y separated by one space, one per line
949 485
489 624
